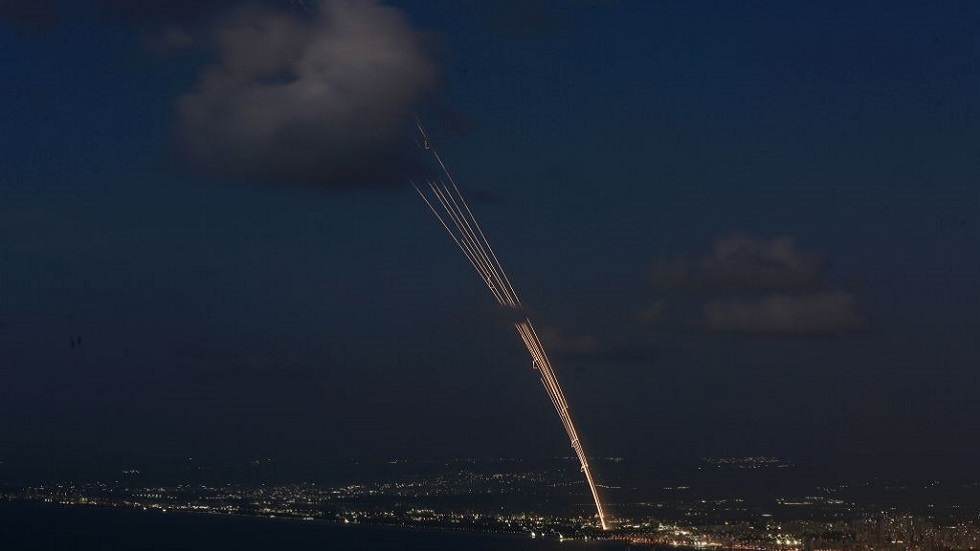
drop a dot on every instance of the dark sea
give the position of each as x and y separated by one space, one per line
32 526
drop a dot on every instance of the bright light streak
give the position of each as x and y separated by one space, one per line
450 208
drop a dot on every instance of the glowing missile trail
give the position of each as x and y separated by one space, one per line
453 212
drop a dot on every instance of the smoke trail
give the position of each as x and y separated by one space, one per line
451 209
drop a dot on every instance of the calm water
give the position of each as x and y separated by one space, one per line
50 527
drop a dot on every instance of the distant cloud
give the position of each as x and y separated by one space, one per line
741 262
748 284
322 94
820 313
320 100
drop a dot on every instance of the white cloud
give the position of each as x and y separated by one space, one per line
740 262
823 312
319 101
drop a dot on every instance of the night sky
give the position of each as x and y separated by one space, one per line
743 228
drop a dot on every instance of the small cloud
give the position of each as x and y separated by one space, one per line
322 100
821 313
748 284
741 262
655 313
323 95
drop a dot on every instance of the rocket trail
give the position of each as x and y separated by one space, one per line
450 208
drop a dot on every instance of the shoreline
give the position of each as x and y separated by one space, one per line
296 520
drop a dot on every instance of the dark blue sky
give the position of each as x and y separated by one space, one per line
747 228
